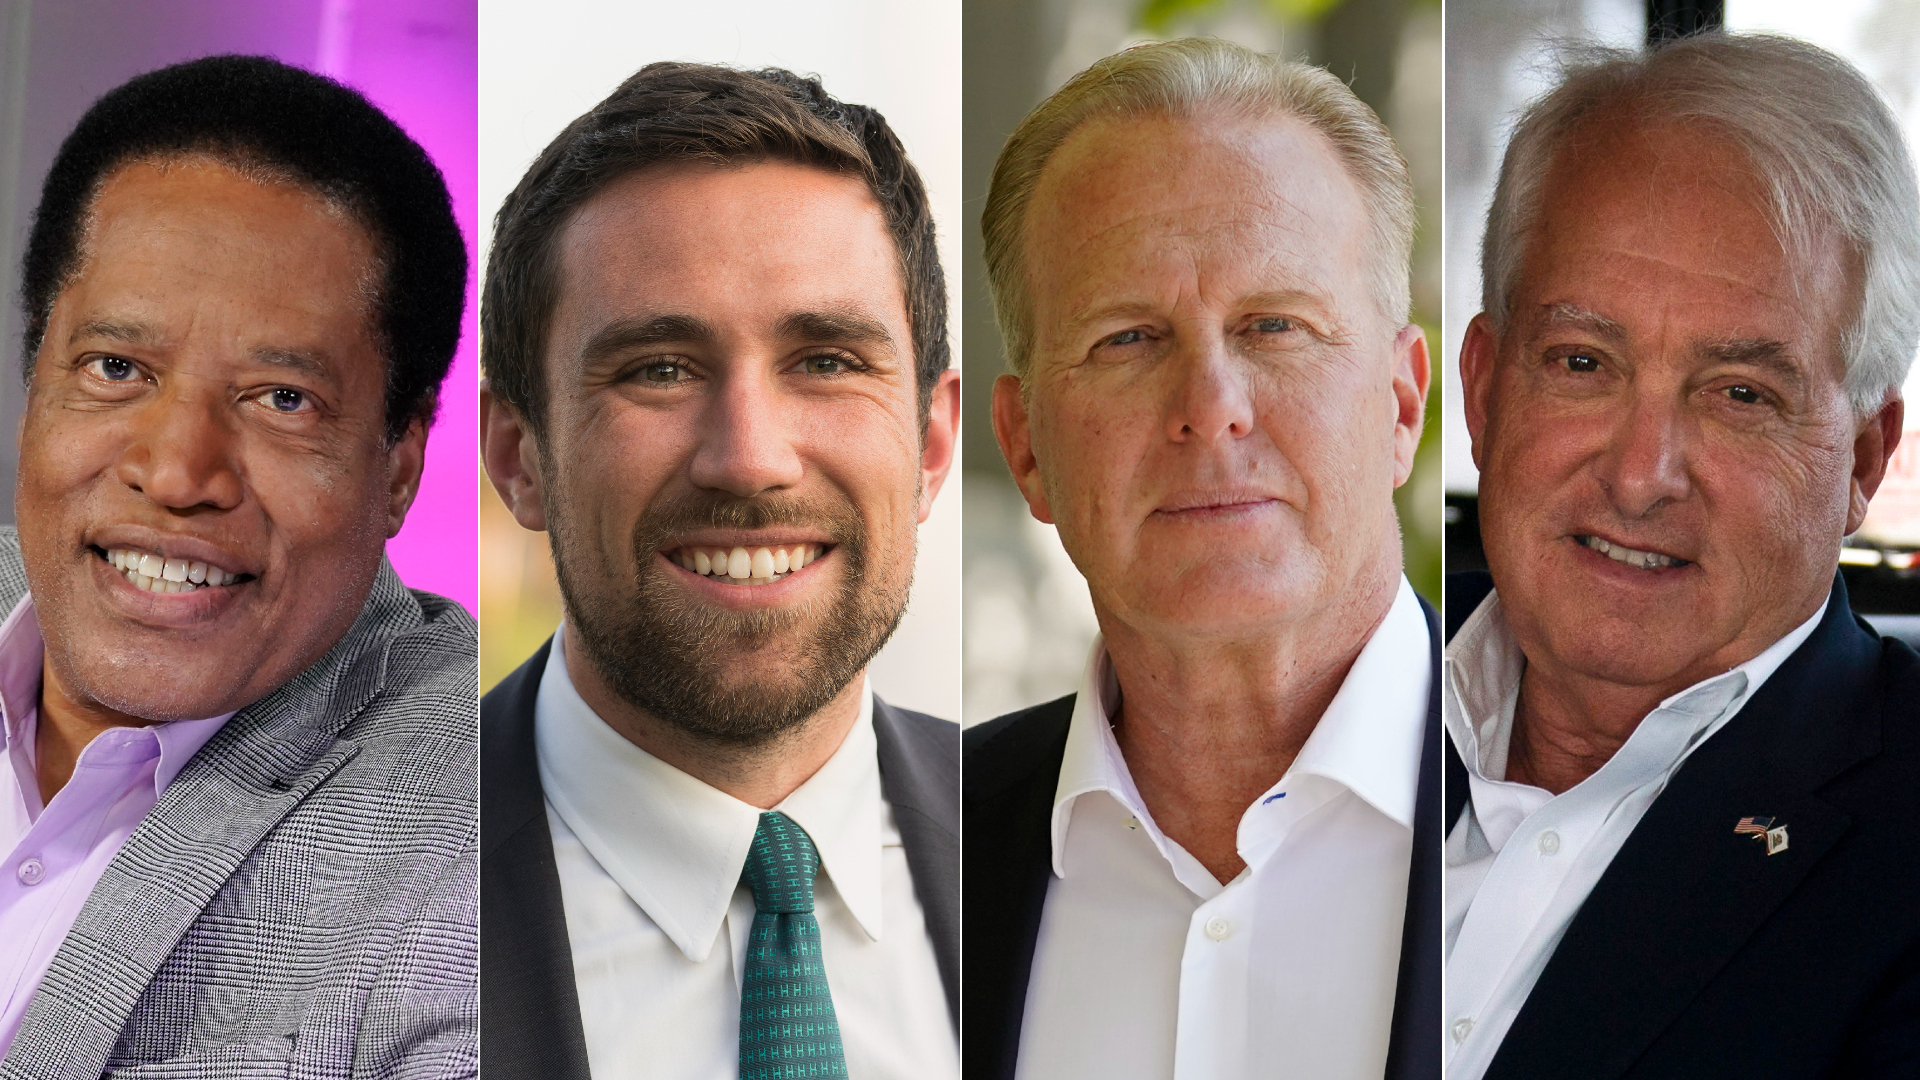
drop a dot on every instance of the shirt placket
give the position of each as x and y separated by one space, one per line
1211 1035
38 872
1563 839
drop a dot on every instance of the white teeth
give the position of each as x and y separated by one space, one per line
162 575
1644 560
742 565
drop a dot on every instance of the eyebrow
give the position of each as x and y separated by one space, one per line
842 325
624 334
1766 354
1096 313
1575 317
128 333
306 363
146 334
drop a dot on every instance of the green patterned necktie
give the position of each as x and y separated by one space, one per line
787 1027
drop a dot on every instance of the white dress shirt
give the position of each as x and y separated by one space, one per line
1508 900
650 861
1147 967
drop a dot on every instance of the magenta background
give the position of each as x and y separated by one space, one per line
419 61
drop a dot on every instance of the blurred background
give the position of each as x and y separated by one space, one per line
415 59
1027 617
1498 59
543 64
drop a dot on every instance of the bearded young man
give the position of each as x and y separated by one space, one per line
717 377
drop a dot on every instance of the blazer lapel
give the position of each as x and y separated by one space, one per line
249 776
1009 783
1413 1047
530 1025
1710 887
920 777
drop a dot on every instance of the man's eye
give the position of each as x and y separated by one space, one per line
1581 364
1128 337
1274 325
114 369
663 372
823 365
1745 395
288 401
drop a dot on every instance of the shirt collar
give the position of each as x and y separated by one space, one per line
1368 741
677 845
22 658
1484 665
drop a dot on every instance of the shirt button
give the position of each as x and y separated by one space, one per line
1219 929
1549 843
1461 1029
31 871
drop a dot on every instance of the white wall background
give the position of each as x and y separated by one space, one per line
543 64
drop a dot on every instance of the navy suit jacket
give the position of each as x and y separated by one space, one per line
1698 954
529 1008
1012 768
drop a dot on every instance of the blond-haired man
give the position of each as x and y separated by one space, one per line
1202 865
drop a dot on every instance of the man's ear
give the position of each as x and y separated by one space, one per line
1479 352
1873 448
1412 373
512 457
937 446
406 460
1013 431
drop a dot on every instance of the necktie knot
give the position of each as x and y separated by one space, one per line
780 866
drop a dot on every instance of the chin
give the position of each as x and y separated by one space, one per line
153 690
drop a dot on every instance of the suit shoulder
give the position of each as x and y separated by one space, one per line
924 734
1005 750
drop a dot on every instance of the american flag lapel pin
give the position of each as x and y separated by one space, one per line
1763 829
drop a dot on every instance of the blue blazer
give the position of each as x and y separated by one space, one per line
1699 955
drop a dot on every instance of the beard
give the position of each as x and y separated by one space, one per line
737 679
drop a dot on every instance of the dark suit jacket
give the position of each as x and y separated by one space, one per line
1698 954
529 1009
1012 771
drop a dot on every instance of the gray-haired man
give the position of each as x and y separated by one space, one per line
1218 860
1683 786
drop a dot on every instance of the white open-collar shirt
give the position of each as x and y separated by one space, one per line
1521 860
1148 967
650 860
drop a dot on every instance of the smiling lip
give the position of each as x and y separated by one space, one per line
166 565
1200 503
1639 558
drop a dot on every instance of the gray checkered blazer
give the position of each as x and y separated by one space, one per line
303 900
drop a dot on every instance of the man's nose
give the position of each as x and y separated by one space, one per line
183 451
746 444
1209 398
1644 465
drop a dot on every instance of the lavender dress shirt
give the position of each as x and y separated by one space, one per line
51 855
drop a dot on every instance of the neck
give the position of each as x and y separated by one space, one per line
762 774
1207 725
66 724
